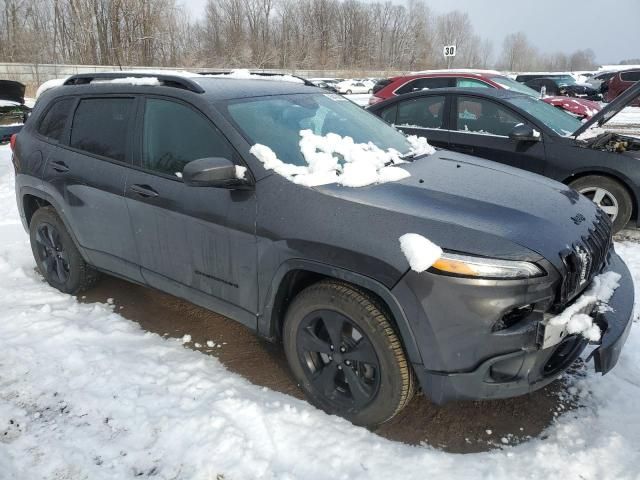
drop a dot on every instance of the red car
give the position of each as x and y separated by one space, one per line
619 83
391 87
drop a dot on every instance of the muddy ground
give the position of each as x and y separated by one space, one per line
457 427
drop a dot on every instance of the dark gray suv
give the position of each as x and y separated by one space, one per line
152 179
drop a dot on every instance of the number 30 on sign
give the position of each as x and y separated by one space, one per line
450 51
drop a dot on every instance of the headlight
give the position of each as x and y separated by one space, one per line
482 267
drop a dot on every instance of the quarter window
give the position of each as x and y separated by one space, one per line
485 117
54 121
424 112
471 83
101 125
630 76
175 134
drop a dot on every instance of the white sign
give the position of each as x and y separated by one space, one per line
450 51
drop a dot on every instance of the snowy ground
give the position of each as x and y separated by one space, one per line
361 99
87 394
626 122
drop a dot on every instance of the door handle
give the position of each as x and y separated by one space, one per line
143 190
464 149
59 166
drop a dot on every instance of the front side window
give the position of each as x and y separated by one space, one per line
470 83
557 120
54 121
101 126
424 112
175 134
425 84
478 115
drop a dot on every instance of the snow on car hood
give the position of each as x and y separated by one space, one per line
611 110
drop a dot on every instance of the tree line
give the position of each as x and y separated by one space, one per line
282 34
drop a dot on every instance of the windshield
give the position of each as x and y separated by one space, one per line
514 86
557 120
276 121
564 80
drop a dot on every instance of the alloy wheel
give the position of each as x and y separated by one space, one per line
339 360
604 199
53 258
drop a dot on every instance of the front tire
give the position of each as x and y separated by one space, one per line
56 255
610 195
349 92
345 354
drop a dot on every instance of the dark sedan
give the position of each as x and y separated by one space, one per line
524 132
564 88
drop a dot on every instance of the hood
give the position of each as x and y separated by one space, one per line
12 91
456 200
611 110
578 106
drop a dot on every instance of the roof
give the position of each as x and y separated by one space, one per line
478 92
458 71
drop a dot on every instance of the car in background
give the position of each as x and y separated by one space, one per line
563 87
13 111
518 130
620 82
599 80
354 86
390 87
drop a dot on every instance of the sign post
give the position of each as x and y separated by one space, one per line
449 53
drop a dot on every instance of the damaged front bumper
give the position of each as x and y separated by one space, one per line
518 372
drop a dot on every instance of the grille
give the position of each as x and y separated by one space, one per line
586 258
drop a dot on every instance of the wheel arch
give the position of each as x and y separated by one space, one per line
616 176
295 275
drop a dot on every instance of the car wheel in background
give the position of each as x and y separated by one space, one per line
349 92
56 255
610 195
345 354
370 91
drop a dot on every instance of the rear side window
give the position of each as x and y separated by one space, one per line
389 114
381 84
425 112
101 125
425 84
175 134
470 83
630 76
54 121
477 115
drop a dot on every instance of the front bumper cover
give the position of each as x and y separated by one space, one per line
523 371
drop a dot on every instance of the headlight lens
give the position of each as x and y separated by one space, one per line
481 267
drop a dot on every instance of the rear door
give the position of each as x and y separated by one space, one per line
481 127
86 172
194 240
424 116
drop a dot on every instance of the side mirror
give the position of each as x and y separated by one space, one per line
524 133
213 172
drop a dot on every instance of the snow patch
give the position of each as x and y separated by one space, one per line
421 252
336 159
599 293
151 81
48 85
241 172
245 74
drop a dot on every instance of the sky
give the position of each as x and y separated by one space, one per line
610 28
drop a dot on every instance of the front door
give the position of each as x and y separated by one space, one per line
482 127
196 240
421 116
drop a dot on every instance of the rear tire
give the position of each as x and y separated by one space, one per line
346 356
610 195
56 254
349 92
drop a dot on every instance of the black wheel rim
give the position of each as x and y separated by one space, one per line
52 256
339 360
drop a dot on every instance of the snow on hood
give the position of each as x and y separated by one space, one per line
335 159
421 252
245 74
599 293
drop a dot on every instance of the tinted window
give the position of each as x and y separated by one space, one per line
175 134
558 120
471 83
426 112
478 115
630 76
425 84
53 123
389 114
100 126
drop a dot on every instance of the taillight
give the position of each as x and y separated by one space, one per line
12 141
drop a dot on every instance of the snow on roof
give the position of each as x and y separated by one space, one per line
245 74
48 85
130 81
617 68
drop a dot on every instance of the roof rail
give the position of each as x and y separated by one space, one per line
176 81
261 74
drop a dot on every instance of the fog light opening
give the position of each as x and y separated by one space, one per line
512 317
